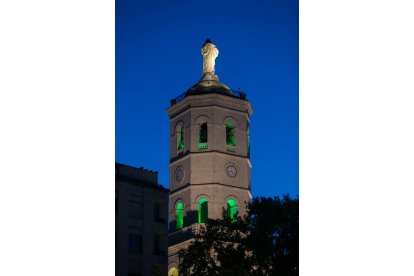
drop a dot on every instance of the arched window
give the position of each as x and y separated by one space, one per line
202 136
203 133
179 215
202 210
248 141
180 137
173 272
230 134
231 208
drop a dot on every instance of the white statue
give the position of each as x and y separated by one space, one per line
210 53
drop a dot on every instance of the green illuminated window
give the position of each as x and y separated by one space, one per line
248 141
232 208
230 134
180 137
179 215
203 133
202 137
202 210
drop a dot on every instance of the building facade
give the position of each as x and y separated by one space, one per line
141 222
209 156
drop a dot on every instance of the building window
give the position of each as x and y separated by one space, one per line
157 245
134 243
135 209
157 208
230 134
202 210
202 137
232 208
157 211
180 137
179 216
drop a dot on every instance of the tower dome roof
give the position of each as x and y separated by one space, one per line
209 86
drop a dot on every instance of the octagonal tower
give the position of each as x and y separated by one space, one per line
209 155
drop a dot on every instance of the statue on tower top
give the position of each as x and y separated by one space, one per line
210 53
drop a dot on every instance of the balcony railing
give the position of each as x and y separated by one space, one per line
202 146
236 94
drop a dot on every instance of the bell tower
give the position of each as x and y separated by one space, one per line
209 155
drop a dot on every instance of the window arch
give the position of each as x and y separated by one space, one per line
179 216
179 132
173 272
202 210
230 134
231 208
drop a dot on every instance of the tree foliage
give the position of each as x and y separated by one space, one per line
264 242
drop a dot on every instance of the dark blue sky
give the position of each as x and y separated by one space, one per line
158 57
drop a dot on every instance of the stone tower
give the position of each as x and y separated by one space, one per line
209 155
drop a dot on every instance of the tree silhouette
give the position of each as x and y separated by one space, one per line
264 242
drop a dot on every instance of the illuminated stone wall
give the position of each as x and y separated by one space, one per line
215 170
